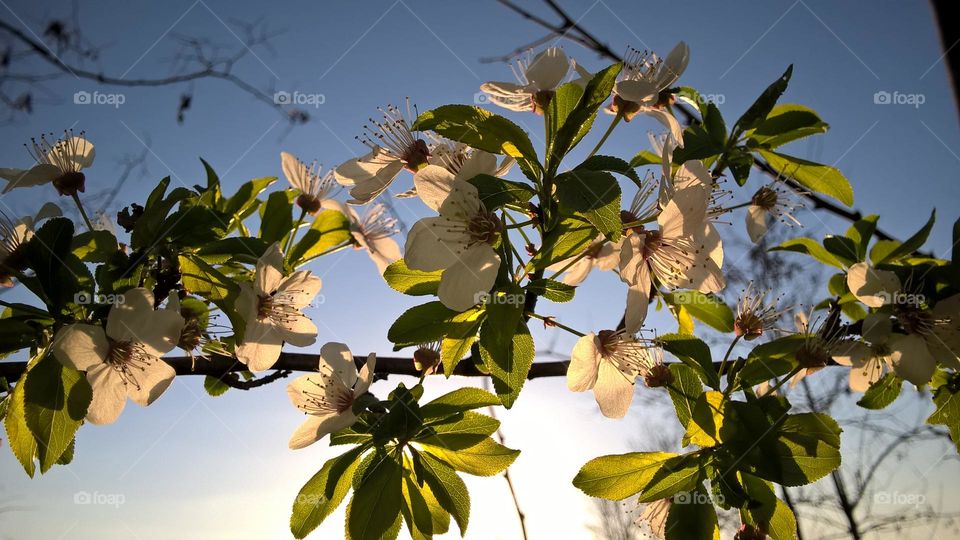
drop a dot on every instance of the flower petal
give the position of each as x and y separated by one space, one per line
153 380
366 375
673 66
269 270
756 220
613 391
363 168
871 286
911 359
295 171
548 69
479 162
433 184
510 96
433 243
667 119
474 273
369 189
584 364
299 288
384 252
76 149
315 428
38 174
109 395
80 346
637 91
261 346
298 330
339 360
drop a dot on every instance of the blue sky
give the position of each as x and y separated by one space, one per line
191 465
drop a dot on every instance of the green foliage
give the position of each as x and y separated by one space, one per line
882 393
706 308
411 282
595 194
55 403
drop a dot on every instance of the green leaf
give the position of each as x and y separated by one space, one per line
655 475
595 194
47 252
912 244
684 392
484 459
882 249
799 450
21 440
277 219
813 176
374 510
571 236
461 334
786 123
765 508
411 282
692 517
94 246
329 229
861 232
707 308
483 130
614 165
16 335
459 400
882 393
564 100
552 290
694 353
243 248
459 433
809 246
244 201
55 402
772 359
202 279
323 493
416 511
495 191
420 324
508 355
697 144
578 122
842 248
214 386
645 157
946 400
446 486
762 107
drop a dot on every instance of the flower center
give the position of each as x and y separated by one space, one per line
765 198
128 359
277 309
190 335
915 320
332 395
69 183
541 100
484 227
813 354
416 155
625 108
309 203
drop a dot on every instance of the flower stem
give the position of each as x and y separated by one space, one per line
549 321
293 232
782 381
723 365
573 261
606 134
83 213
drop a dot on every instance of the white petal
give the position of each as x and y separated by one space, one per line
298 331
578 272
299 288
756 220
153 380
613 391
362 168
337 358
366 375
318 427
463 202
637 91
479 162
911 359
80 346
19 178
295 171
548 69
674 66
584 363
864 375
871 286
508 95
109 395
433 184
431 246
877 328
76 149
383 252
48 210
261 346
269 272
367 190
667 119
462 284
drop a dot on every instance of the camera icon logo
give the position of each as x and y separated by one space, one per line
82 98
81 497
281 98
481 98
882 98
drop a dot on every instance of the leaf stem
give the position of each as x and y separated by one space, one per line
293 232
83 213
606 134
550 321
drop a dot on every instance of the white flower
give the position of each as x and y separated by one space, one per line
906 354
683 251
314 188
59 162
14 236
754 314
774 199
373 232
871 286
459 241
393 147
123 361
609 363
601 255
271 308
329 395
538 77
642 85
